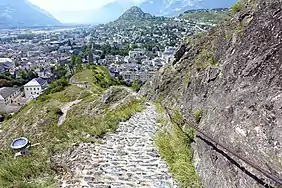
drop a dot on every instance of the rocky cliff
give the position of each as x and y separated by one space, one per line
230 78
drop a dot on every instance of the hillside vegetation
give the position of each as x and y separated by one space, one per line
98 111
206 16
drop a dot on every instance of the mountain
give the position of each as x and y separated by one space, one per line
21 13
109 12
134 16
135 13
175 7
225 84
113 10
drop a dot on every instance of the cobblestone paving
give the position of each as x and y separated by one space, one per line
126 158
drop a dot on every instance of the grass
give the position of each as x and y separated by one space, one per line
198 114
38 122
98 78
237 7
22 172
175 148
70 93
208 17
188 78
205 60
77 128
84 76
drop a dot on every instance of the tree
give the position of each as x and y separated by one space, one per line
5 83
23 74
78 60
60 71
73 60
31 74
78 68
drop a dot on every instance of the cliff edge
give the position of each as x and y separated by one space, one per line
231 77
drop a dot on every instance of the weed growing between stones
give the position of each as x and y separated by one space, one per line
237 7
205 60
198 114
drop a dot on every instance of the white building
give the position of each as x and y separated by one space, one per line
35 87
168 54
134 75
136 53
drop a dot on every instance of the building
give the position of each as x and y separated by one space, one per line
168 54
8 95
6 65
131 76
35 87
136 53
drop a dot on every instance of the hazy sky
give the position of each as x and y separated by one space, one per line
57 5
74 11
60 5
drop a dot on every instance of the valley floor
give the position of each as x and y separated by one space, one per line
126 158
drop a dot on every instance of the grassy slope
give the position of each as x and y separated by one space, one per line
38 122
212 17
175 148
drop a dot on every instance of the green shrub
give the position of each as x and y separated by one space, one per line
57 86
103 78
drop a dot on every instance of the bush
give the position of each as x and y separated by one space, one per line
57 86
103 78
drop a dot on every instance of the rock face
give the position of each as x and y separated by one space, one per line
126 158
135 13
233 74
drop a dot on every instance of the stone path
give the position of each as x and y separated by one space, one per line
65 110
126 158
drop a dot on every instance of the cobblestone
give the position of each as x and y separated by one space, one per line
124 159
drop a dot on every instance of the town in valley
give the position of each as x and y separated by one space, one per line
132 49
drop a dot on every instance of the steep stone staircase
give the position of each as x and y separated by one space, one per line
126 158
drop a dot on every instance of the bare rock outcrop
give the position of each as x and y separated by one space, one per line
233 74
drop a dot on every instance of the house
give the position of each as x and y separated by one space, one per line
131 76
35 87
136 53
8 95
6 64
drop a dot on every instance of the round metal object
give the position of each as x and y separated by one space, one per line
19 143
